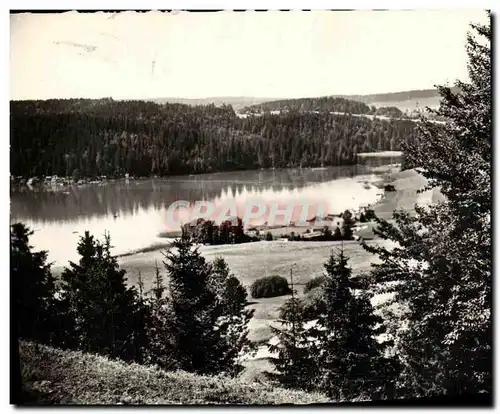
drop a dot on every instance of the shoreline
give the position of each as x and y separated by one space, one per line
55 182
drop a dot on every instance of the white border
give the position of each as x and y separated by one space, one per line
176 4
249 4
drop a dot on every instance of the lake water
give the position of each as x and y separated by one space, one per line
134 211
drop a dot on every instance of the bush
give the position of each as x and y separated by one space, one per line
308 308
269 236
389 187
369 215
286 310
313 304
270 286
314 283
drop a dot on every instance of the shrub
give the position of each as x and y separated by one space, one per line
389 187
270 286
313 304
314 283
369 215
307 309
291 305
269 236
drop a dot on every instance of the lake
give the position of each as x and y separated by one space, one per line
134 211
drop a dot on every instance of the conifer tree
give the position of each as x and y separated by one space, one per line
351 360
191 303
160 348
296 362
440 270
101 311
32 288
232 316
209 324
143 321
296 354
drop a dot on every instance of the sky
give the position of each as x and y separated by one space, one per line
259 54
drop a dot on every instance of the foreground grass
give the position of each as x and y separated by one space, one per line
53 376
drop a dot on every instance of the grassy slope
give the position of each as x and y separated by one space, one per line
53 376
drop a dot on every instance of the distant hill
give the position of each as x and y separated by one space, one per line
237 102
82 138
394 96
405 101
320 104
356 104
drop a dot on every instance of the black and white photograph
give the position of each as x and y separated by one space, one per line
250 208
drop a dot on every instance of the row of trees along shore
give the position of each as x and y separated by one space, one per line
87 138
437 278
232 231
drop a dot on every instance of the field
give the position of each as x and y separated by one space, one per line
251 261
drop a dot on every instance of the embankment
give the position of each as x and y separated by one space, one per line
53 376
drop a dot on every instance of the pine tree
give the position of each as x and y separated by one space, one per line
193 308
160 348
440 269
232 317
143 319
351 361
295 362
101 311
159 288
34 310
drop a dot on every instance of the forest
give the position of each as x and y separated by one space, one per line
324 104
87 138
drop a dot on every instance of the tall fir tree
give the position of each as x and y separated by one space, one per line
232 315
296 353
102 312
440 270
351 362
33 311
191 304
160 347
208 320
